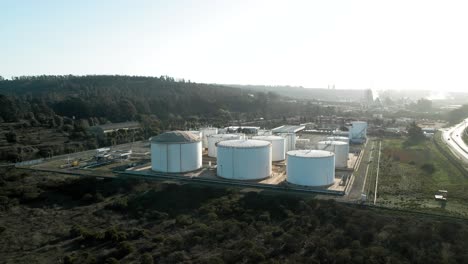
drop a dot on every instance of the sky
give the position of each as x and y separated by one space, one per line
373 44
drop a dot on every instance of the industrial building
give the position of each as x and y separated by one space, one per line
358 132
289 133
176 152
244 159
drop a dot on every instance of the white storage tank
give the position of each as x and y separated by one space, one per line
176 151
244 159
214 139
290 140
206 132
338 138
278 146
358 131
310 167
341 150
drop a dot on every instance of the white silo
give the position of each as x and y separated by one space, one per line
214 139
358 131
341 150
244 159
310 167
278 146
290 139
176 151
338 138
206 132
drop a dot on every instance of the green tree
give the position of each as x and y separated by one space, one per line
415 134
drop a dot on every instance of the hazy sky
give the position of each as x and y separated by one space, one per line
352 44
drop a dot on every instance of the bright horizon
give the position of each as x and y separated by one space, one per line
397 45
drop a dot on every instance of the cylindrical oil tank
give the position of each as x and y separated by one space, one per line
341 150
206 132
244 159
278 145
214 139
176 152
290 139
310 167
358 131
338 138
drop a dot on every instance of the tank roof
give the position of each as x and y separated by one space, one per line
268 137
310 153
175 137
250 143
332 142
225 135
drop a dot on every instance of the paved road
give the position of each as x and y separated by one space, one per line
453 138
360 173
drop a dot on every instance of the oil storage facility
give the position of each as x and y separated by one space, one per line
341 150
244 159
176 152
278 146
314 168
214 139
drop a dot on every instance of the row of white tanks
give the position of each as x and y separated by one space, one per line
241 159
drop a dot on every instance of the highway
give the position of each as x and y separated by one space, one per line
453 137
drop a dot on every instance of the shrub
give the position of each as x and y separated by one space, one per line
146 259
68 259
112 261
428 168
119 204
125 248
115 235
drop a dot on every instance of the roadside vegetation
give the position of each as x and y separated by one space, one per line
57 219
411 174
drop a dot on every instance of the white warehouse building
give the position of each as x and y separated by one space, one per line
278 146
215 139
176 152
244 159
315 168
341 150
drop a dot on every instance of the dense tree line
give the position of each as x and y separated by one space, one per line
170 223
124 98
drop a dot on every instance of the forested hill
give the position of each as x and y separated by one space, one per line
123 98
321 94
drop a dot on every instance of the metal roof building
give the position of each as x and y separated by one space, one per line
287 129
